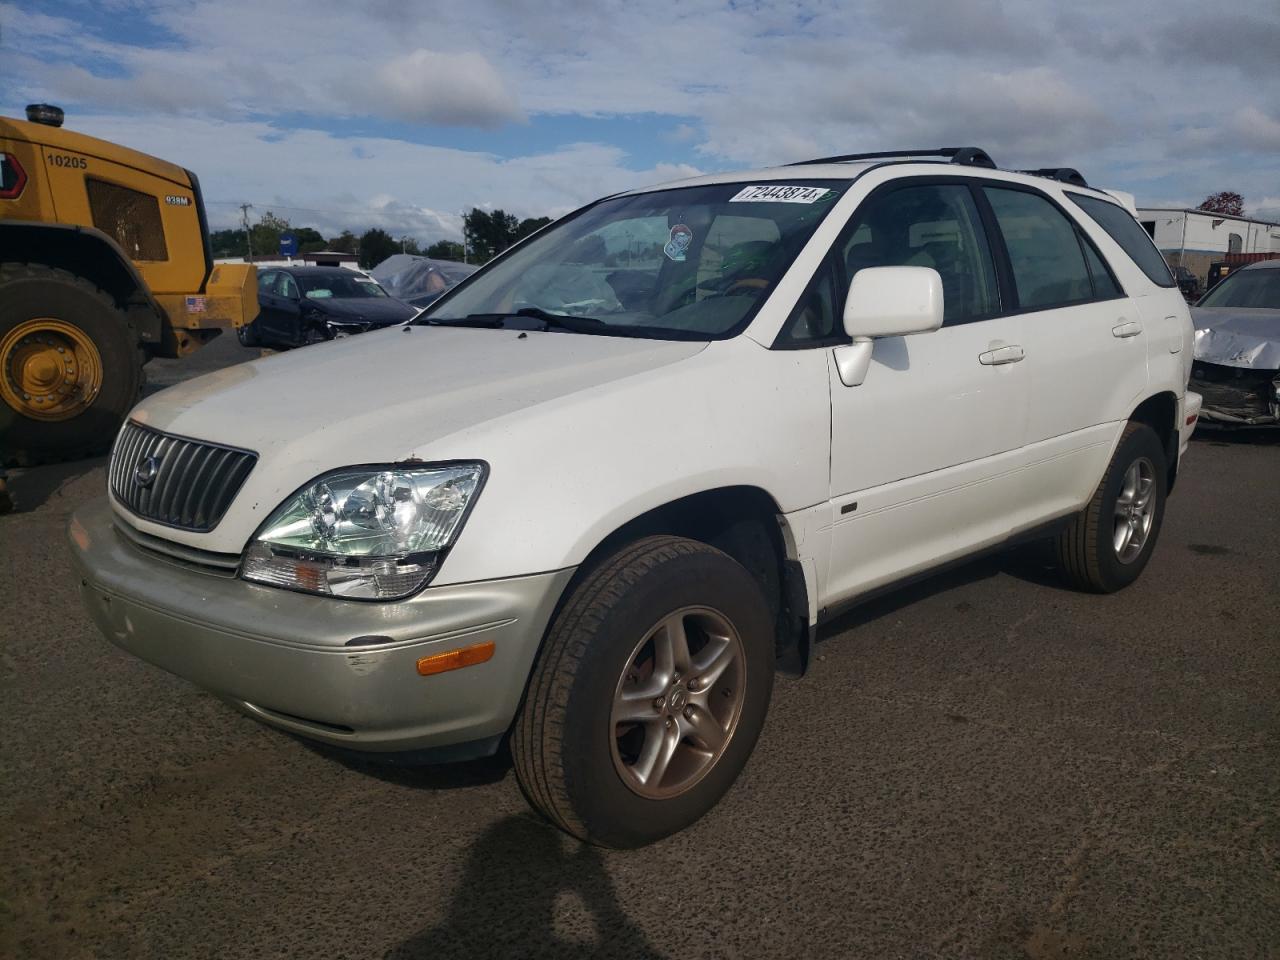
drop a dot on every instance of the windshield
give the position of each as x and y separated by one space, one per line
339 287
1248 288
687 263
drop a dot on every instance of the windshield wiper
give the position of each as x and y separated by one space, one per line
545 320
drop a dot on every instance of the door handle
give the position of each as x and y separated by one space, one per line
1009 353
1126 328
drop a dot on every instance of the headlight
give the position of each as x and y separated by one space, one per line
368 533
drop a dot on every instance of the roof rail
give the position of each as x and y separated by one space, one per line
1066 174
969 156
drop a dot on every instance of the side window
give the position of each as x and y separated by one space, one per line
267 281
1104 285
929 226
1131 237
285 286
1048 265
816 317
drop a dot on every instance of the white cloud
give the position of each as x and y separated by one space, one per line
332 183
460 89
1132 92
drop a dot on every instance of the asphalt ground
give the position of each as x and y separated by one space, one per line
983 765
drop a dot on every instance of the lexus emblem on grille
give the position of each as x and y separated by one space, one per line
144 474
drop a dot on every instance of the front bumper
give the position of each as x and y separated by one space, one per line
339 671
1240 396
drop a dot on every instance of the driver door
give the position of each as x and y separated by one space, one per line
923 451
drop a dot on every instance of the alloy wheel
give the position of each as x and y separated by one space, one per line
677 704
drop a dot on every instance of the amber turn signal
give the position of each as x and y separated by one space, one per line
456 659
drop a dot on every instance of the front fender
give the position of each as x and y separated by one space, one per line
565 475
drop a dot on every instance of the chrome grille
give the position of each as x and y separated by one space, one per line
191 482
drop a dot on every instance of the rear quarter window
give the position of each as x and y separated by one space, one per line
1129 234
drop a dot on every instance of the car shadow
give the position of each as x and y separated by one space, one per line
30 488
521 877
1031 563
1235 436
415 774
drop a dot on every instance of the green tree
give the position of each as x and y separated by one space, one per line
488 233
309 239
375 246
228 243
531 225
444 250
345 242
266 234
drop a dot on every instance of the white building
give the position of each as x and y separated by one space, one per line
1195 238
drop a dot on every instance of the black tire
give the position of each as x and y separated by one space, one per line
562 739
1085 549
32 290
248 335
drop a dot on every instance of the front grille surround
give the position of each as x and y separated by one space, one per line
196 481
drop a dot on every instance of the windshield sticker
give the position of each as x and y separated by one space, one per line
779 193
678 243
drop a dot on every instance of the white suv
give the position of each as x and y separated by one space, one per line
593 498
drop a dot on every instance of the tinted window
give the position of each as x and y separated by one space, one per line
1124 230
1104 285
1048 264
929 226
266 282
285 286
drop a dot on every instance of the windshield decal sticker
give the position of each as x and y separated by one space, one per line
678 243
779 193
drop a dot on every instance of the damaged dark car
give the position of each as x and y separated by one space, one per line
301 305
1237 355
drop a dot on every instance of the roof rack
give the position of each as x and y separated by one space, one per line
968 156
1065 174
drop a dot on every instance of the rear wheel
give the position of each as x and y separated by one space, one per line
70 367
1107 546
649 695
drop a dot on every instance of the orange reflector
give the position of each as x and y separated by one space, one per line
456 659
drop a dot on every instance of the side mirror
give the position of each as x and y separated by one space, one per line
893 302
886 302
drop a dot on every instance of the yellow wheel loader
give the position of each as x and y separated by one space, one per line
105 263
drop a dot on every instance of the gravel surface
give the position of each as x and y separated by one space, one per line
982 765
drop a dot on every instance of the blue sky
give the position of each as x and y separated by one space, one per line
403 114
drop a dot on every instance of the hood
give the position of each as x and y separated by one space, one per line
385 395
1238 337
370 309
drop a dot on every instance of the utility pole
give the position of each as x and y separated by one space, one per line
248 234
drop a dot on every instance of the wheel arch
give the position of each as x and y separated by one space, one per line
1160 412
746 523
92 255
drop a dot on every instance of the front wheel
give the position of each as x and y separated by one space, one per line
70 367
649 695
1107 546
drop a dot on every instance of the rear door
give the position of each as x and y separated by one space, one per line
1084 343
